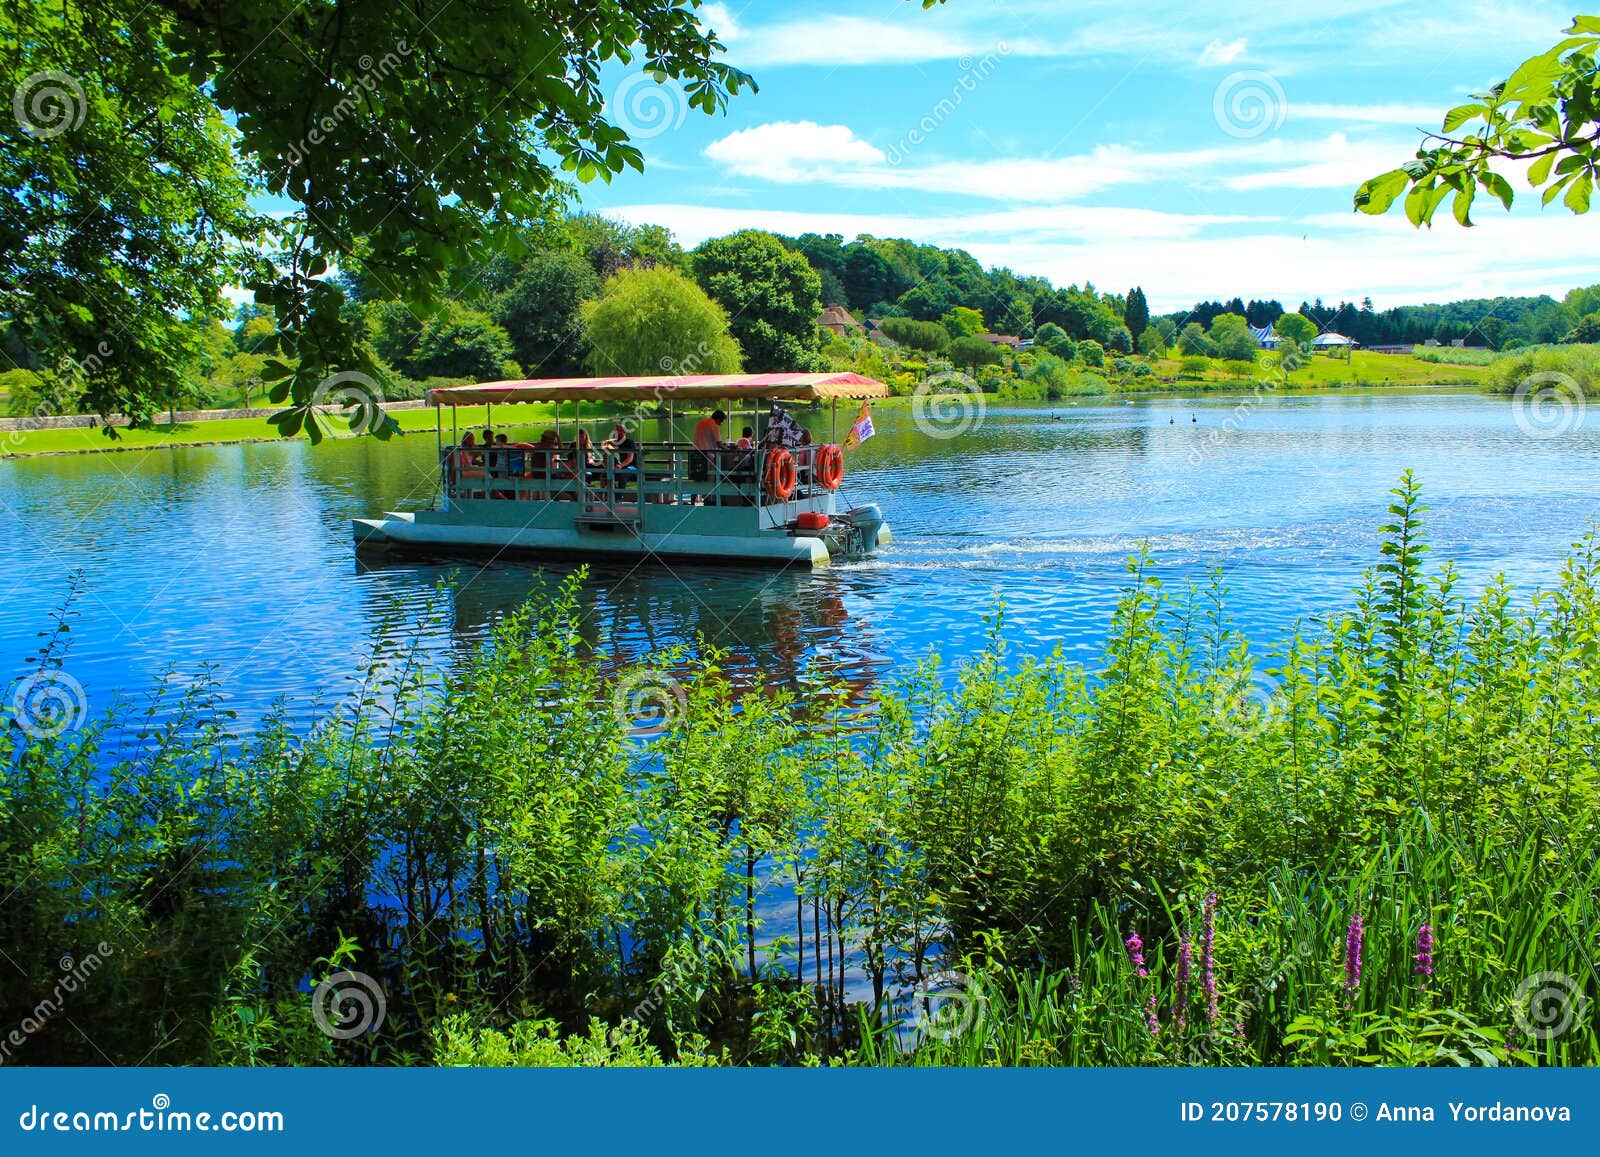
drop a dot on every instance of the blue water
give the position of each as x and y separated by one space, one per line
240 557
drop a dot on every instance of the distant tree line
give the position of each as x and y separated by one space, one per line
1496 323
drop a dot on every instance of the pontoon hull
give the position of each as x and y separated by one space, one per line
436 532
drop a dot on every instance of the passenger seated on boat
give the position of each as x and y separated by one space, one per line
492 458
747 439
500 463
581 457
543 460
519 459
465 463
805 455
707 440
623 449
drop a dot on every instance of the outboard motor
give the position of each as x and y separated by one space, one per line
868 520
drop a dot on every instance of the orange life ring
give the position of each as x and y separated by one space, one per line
829 468
780 476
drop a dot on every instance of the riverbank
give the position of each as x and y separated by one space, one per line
234 431
1366 371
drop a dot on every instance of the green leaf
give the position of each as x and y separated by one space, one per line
1377 195
1555 188
1417 204
288 422
1499 187
1539 171
1461 114
1462 206
1577 198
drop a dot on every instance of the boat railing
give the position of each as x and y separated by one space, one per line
605 489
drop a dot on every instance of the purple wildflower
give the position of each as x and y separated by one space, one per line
1180 1001
1208 961
1152 1022
1352 953
1136 953
1424 965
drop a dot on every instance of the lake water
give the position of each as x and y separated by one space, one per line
241 557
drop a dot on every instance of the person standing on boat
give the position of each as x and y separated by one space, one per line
707 440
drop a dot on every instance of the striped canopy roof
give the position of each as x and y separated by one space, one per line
693 387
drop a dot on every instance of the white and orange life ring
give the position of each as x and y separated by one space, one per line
781 476
829 468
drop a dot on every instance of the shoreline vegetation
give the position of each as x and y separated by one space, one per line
1387 371
1376 845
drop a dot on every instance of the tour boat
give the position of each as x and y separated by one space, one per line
773 505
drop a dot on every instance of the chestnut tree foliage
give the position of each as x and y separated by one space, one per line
1544 119
168 150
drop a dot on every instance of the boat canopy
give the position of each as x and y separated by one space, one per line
700 387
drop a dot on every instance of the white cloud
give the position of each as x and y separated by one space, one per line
832 40
1333 256
796 152
1219 53
1330 163
721 20
1033 224
1369 32
792 151
1410 115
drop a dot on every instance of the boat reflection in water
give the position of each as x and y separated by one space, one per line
772 629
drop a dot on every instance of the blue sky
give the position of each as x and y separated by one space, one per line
1197 150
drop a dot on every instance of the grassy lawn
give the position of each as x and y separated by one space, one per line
1363 369
527 417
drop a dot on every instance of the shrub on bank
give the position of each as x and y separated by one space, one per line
1191 853
1565 369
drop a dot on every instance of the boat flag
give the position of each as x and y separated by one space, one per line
861 429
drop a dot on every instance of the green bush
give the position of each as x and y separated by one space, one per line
527 880
1457 355
1569 370
972 352
1194 365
